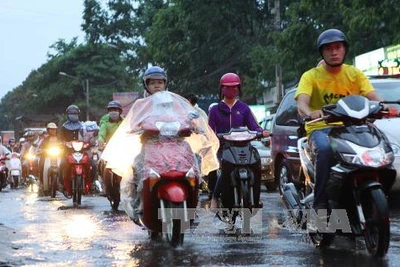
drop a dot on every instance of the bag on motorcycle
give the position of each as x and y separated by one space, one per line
334 186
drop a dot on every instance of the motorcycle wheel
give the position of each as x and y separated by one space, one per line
245 194
54 179
154 236
321 240
284 175
377 230
15 181
173 235
114 196
77 189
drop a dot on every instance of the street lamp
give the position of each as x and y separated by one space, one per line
85 85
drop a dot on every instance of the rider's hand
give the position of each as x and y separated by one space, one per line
266 133
101 145
392 111
316 114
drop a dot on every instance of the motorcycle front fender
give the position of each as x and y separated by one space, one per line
172 191
78 169
368 185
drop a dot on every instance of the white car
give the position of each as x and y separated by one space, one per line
389 89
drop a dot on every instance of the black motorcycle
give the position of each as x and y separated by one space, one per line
111 182
358 183
240 174
3 173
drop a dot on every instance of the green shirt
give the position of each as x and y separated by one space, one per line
107 128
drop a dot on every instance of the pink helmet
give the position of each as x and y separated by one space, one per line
229 79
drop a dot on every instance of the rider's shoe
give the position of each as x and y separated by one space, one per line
138 222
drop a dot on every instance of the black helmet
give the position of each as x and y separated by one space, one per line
331 36
114 104
72 109
154 72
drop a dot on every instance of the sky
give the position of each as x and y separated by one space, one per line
27 29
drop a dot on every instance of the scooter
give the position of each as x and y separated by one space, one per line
3 173
78 180
15 170
170 178
241 176
359 181
51 169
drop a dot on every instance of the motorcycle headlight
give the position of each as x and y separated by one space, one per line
30 156
54 151
396 149
370 157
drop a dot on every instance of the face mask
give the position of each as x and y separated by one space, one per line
230 92
73 117
114 115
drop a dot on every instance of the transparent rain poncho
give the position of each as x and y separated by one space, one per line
131 154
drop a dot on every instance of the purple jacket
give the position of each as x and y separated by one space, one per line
221 119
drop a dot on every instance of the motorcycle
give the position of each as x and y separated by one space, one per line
51 169
78 179
94 169
31 179
170 185
160 138
112 183
359 181
3 173
15 169
241 176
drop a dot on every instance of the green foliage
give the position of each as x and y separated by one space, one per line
196 42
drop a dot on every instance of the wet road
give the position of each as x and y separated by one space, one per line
52 233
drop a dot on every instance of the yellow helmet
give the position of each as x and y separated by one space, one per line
51 125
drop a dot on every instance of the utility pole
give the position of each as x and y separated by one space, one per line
87 99
278 68
85 86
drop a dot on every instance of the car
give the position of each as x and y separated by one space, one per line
285 161
263 149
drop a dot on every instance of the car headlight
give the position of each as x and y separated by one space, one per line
371 157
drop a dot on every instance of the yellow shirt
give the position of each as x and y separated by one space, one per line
327 88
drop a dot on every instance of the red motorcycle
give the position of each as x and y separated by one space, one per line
164 139
77 181
170 178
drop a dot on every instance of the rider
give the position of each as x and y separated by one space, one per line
192 98
12 146
25 148
108 127
322 85
229 113
71 130
203 141
50 138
